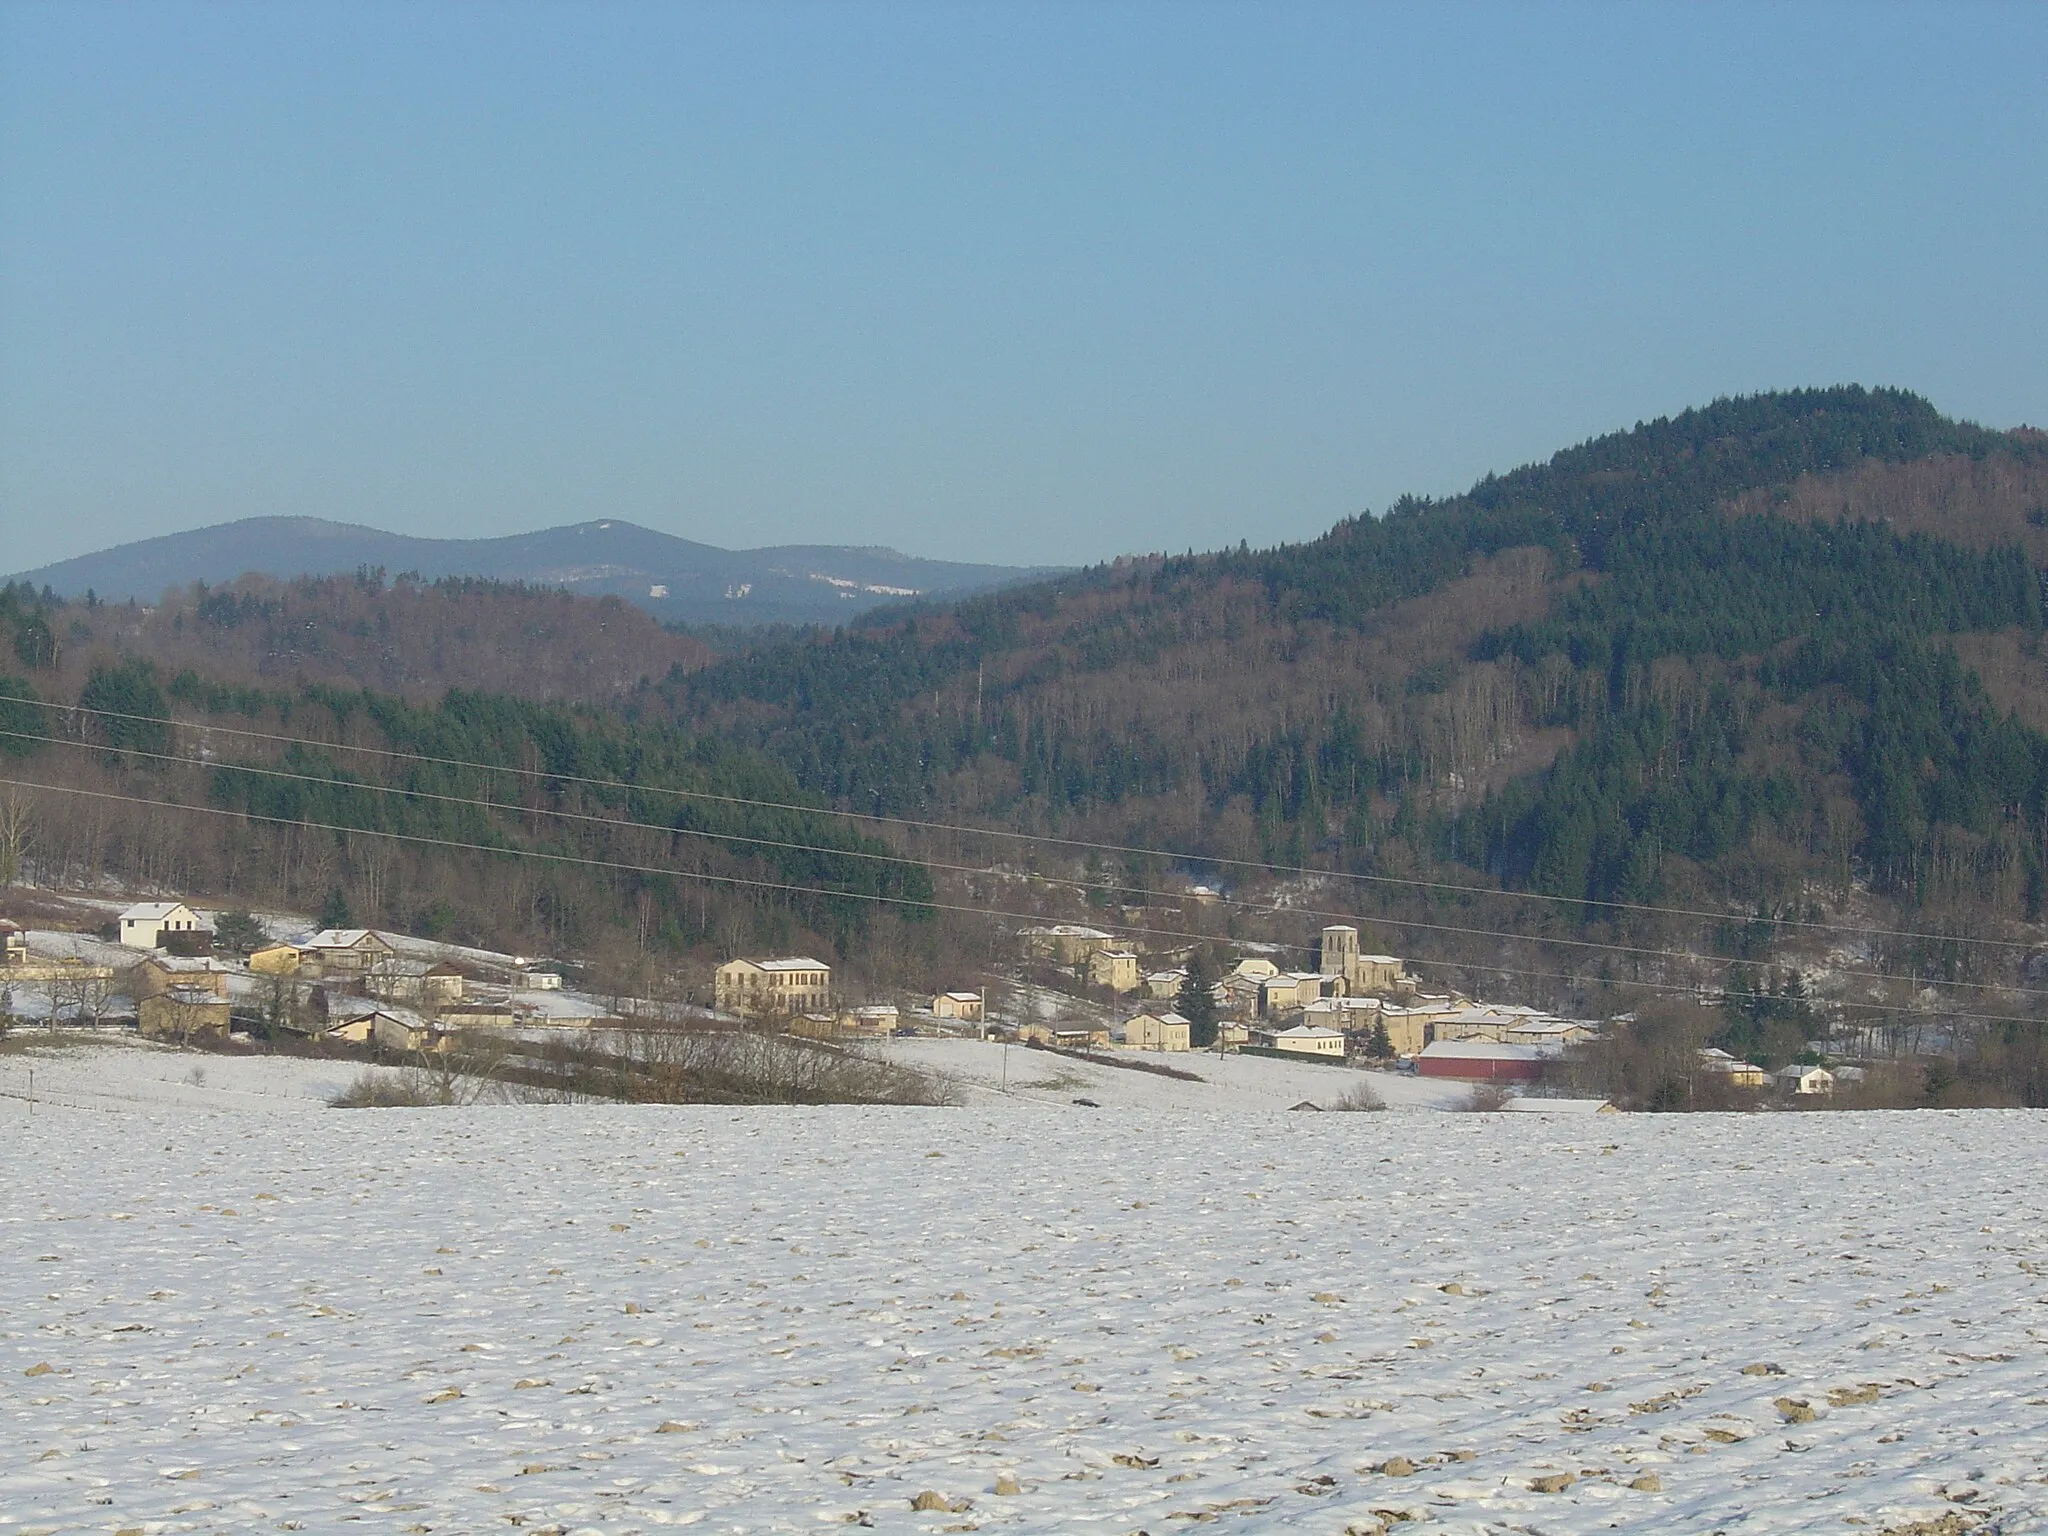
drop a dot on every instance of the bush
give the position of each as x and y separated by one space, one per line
1360 1100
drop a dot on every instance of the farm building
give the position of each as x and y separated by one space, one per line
1482 1061
1302 1040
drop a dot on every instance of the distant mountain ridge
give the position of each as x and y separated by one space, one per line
674 579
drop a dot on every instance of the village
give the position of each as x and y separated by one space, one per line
175 972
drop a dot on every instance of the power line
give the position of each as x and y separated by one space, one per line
973 871
796 888
960 829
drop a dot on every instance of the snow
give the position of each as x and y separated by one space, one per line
1231 1084
247 1312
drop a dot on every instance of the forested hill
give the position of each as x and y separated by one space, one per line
1740 656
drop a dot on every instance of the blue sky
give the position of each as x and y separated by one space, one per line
1012 282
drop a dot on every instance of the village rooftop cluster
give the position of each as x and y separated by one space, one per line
163 969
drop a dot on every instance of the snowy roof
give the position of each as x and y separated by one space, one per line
152 911
1381 959
1480 1050
1168 1017
1558 1106
338 938
1308 1032
963 997
1070 931
791 963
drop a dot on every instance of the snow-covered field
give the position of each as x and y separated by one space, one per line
252 1313
988 1072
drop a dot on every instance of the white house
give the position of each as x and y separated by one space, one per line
1302 1039
144 924
1805 1080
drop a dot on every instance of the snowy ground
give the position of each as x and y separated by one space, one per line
991 1072
221 1318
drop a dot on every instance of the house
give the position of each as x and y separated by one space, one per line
179 1013
1550 1032
160 973
1301 1040
1164 985
1483 1061
1067 943
1739 1073
1156 1032
1804 1080
346 951
13 944
536 979
410 982
402 1030
1290 991
968 1007
1255 968
790 984
1116 969
275 960
144 925
1239 995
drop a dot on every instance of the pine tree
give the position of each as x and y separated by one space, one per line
1196 1002
334 912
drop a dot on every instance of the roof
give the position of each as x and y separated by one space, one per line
1163 1018
1558 1106
1481 1050
339 938
782 963
194 996
963 997
1071 931
1380 959
152 911
1306 1032
1796 1070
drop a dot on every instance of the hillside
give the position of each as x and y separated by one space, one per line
1752 698
407 637
675 580
1756 658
